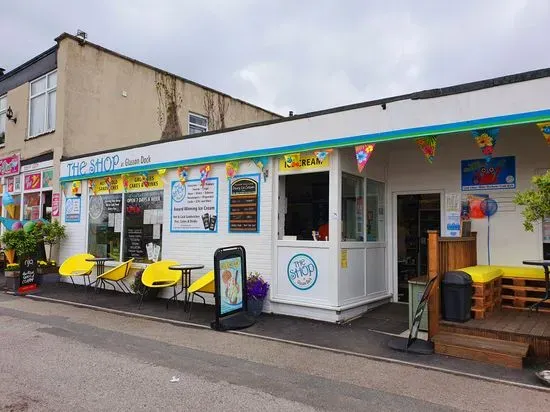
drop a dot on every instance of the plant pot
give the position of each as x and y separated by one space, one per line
10 255
255 306
47 276
12 280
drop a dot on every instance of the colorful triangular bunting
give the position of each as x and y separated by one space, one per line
428 145
486 140
362 155
545 130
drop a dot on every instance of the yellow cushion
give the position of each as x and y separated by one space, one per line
482 274
526 272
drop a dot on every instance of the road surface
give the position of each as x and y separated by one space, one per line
56 357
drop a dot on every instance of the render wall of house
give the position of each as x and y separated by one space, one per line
112 102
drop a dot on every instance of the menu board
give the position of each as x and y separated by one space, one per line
142 225
72 210
134 243
243 204
194 207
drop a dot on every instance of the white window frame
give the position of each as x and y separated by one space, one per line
46 92
200 126
3 112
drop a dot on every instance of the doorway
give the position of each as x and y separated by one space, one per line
416 214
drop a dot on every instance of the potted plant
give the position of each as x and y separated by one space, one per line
536 201
11 272
9 240
47 272
256 291
53 234
25 243
139 288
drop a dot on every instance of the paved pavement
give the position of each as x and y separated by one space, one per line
60 358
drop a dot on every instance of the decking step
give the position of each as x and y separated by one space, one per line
495 351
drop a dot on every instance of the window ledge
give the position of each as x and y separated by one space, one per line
40 135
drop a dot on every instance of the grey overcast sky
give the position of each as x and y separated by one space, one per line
299 55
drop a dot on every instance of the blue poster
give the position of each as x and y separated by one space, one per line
498 173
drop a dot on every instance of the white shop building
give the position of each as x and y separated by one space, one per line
131 203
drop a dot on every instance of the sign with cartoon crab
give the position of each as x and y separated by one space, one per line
497 174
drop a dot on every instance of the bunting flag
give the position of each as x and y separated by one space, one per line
545 130
183 174
75 188
486 140
92 186
231 169
161 173
262 163
205 171
362 155
109 183
145 179
428 145
292 160
125 182
322 154
65 187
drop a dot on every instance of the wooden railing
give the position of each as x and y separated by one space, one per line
446 254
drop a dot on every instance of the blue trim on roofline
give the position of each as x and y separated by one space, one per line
468 125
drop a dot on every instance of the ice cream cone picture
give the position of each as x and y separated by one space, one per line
11 211
9 204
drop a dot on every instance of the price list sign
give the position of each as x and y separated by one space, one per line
243 204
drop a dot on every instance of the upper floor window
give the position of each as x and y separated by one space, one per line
197 123
3 109
42 104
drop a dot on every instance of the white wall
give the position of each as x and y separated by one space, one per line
196 247
408 171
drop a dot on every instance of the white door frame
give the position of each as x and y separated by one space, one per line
393 240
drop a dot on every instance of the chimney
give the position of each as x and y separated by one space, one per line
290 113
2 70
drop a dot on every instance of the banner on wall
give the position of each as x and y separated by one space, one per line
194 207
302 161
72 210
131 183
244 204
10 165
56 200
497 173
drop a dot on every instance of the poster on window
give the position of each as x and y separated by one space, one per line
498 173
72 210
194 208
453 205
47 177
32 181
244 198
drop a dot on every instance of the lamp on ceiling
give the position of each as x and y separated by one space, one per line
9 115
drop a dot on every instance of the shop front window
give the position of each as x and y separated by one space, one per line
31 206
305 206
47 205
352 208
105 225
375 211
143 226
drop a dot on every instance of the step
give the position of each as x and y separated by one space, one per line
495 351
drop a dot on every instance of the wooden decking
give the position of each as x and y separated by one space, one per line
509 325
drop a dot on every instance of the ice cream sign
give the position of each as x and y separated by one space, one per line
9 166
302 271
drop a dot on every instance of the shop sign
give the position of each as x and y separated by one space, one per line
27 274
33 181
194 208
72 210
104 186
480 174
10 165
244 204
302 271
304 162
146 181
56 200
47 178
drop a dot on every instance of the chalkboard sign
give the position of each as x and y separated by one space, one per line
243 204
134 242
27 274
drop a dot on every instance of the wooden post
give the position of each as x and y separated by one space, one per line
433 272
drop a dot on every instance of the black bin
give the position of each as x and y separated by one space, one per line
456 296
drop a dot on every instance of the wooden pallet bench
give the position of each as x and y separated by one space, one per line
521 293
486 298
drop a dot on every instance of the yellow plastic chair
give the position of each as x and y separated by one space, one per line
115 275
204 284
157 275
77 266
